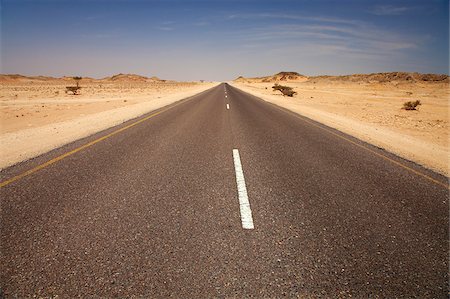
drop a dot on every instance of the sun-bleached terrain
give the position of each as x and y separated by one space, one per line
37 115
369 107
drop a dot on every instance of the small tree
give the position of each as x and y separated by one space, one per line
77 79
74 89
411 105
285 90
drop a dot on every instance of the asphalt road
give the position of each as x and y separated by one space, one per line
154 211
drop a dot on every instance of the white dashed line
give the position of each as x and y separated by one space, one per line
244 204
228 106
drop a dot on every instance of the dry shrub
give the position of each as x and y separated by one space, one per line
411 105
285 90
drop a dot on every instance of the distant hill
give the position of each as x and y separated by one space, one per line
115 78
70 79
130 78
281 76
17 77
385 77
374 77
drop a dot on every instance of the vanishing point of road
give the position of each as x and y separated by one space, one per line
223 195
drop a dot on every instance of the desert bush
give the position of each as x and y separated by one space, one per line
288 92
277 87
285 90
411 105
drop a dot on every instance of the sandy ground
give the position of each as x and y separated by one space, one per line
373 112
38 116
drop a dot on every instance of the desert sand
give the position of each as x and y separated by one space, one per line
37 115
369 107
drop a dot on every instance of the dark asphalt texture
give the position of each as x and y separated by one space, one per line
153 212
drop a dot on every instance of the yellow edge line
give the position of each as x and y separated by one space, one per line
54 160
364 147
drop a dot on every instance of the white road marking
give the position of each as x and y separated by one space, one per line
228 106
244 204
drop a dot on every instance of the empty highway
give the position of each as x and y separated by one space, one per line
223 195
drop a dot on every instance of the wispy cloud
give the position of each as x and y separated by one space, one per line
201 23
329 36
389 10
164 28
93 17
295 17
99 35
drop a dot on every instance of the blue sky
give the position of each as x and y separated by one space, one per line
222 39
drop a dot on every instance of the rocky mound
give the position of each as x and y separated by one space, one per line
154 78
83 79
240 79
385 77
280 77
127 77
21 78
11 78
285 76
